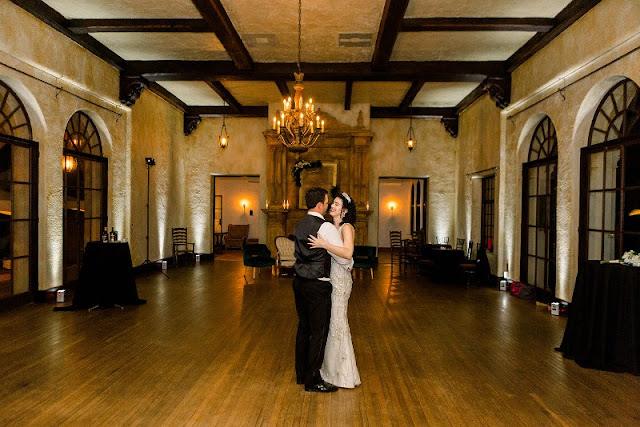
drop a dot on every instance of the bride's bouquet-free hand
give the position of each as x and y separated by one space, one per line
631 258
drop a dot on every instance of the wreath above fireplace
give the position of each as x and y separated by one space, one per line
301 165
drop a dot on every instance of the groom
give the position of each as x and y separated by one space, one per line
312 291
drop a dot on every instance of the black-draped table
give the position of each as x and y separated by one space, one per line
106 277
603 328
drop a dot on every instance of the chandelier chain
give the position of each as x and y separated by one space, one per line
299 31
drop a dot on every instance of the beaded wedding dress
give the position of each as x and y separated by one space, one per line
339 365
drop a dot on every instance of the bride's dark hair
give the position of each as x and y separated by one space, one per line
350 206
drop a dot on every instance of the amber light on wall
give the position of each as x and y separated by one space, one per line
69 163
392 206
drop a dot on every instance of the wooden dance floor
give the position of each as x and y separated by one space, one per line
207 349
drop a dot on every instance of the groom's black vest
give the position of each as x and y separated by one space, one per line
310 263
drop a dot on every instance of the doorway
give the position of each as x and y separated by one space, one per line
402 206
235 201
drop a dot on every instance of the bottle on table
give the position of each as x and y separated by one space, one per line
112 235
105 235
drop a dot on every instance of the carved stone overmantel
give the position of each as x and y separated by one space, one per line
344 146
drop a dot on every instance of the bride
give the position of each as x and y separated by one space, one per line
339 365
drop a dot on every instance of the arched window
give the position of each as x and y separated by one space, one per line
18 198
85 191
14 120
610 176
539 208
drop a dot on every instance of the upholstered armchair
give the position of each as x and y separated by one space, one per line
256 256
236 236
286 254
364 257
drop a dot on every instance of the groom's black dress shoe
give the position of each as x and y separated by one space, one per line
321 387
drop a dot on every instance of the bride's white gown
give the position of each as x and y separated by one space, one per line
339 365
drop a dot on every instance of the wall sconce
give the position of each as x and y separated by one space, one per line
244 203
69 163
392 206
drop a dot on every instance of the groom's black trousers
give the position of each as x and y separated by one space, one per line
313 304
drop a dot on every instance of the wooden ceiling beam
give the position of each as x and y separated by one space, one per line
86 26
217 111
167 96
283 88
226 96
55 20
537 25
411 94
570 14
438 71
347 95
390 24
213 12
419 112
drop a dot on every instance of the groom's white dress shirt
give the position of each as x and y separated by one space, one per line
331 234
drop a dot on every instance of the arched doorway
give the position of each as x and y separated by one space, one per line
610 176
538 251
84 191
18 198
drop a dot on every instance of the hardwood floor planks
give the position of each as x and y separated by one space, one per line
208 349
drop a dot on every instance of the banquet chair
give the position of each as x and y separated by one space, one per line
181 244
286 254
470 266
258 256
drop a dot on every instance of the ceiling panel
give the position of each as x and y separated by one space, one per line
485 8
443 94
253 93
379 94
322 24
129 9
458 46
193 93
164 46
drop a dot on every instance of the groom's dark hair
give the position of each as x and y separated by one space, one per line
314 196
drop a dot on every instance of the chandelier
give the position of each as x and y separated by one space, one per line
298 126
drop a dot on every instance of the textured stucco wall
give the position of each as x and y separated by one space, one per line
157 133
478 150
35 61
245 155
586 60
434 157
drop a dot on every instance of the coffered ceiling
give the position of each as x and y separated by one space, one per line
426 58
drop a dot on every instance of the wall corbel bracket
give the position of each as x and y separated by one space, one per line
191 122
451 125
131 88
499 89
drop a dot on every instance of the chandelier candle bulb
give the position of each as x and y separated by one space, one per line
322 122
274 123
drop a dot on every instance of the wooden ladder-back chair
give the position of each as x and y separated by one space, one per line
181 244
397 249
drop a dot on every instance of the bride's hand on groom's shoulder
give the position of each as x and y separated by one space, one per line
317 242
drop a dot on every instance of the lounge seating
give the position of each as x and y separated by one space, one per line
256 256
236 237
364 257
286 254
181 245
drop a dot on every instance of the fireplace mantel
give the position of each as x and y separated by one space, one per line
348 148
